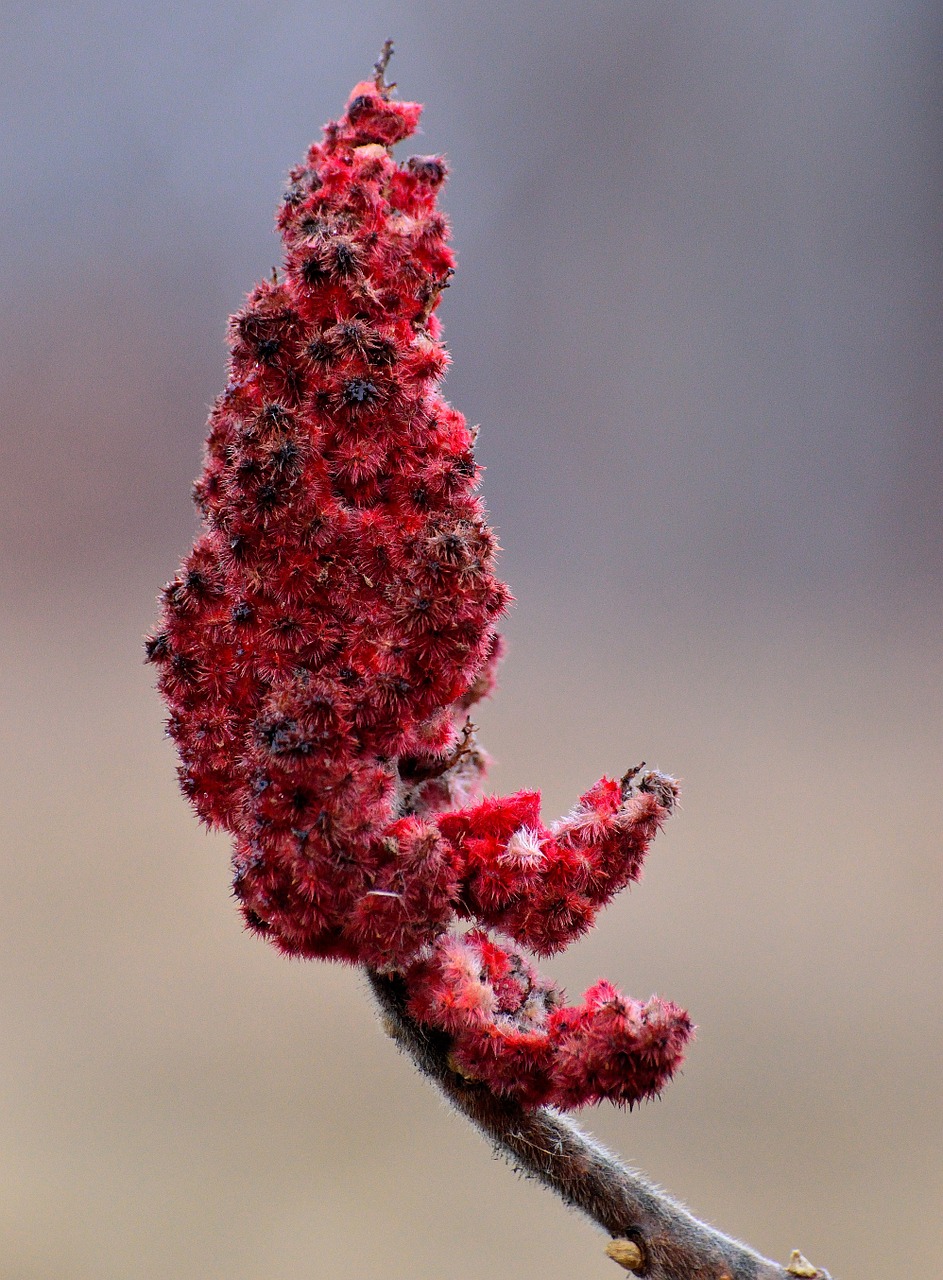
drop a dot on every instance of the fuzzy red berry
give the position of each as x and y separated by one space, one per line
323 642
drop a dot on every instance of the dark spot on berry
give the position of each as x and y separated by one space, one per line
346 258
358 107
242 613
267 349
312 271
430 169
157 648
360 392
184 667
382 351
282 737
188 784
196 583
320 351
285 455
275 415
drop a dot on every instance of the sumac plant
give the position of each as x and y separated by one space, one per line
320 651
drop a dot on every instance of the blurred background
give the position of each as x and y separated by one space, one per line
698 315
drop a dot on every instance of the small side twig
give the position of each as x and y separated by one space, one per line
653 1235
379 68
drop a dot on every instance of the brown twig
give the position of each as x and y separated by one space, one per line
653 1235
379 69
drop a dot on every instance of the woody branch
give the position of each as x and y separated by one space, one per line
652 1235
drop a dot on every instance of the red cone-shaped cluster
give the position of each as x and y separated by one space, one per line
322 644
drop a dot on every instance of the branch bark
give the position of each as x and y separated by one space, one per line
658 1238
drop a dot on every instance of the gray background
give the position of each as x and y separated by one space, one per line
697 314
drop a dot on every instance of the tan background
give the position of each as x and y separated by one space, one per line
697 313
